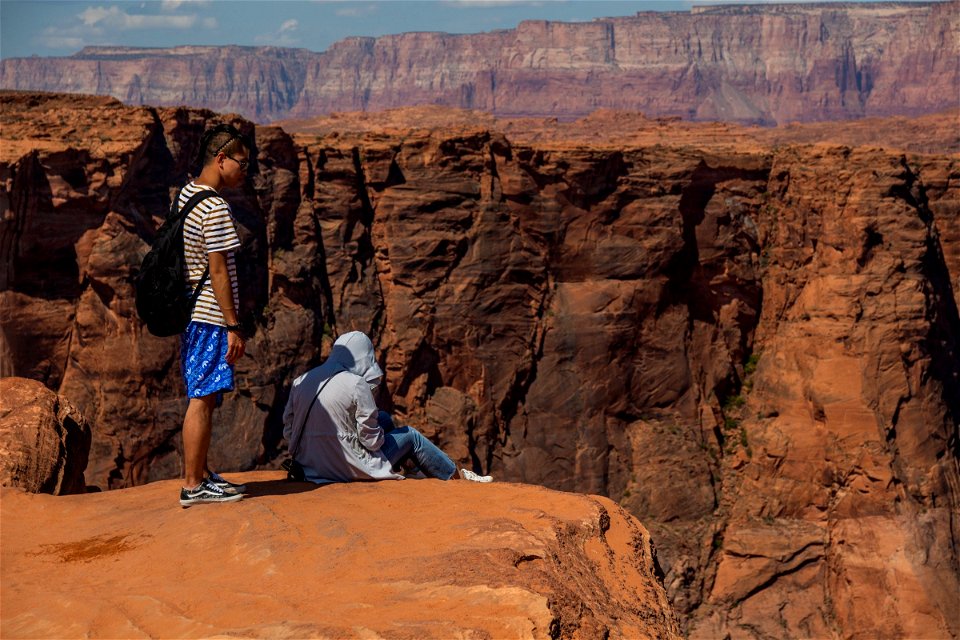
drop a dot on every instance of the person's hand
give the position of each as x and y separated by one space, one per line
235 346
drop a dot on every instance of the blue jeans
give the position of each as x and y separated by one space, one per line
407 442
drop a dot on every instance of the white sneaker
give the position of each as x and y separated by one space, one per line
466 474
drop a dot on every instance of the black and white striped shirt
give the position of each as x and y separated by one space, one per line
208 228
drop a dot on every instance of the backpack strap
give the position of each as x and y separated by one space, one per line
296 445
194 200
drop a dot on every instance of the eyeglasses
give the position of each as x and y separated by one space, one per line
243 163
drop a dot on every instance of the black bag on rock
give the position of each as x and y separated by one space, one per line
162 301
294 470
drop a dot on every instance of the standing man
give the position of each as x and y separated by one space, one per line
213 340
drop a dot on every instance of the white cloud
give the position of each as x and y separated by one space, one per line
74 37
57 41
285 36
98 25
174 5
356 10
117 18
473 4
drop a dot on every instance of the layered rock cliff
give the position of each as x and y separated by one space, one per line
746 338
756 63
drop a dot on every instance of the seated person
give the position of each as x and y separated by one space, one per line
336 433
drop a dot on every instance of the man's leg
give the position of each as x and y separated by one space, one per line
197 425
385 421
407 441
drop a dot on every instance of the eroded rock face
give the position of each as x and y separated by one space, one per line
44 440
758 350
748 338
498 561
770 64
846 446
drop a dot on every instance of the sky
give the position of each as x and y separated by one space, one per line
58 28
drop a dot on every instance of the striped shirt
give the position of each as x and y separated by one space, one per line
208 228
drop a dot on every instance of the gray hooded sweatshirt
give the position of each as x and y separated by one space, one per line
341 439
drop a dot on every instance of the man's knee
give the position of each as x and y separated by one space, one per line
407 431
203 404
385 421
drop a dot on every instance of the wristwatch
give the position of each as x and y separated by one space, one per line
233 327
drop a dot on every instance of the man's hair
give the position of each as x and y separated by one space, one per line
223 137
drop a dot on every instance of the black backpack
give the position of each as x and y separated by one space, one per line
162 301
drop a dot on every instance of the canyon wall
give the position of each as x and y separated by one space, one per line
766 64
750 346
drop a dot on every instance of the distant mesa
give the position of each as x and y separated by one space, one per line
753 64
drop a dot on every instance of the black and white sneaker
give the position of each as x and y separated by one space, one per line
206 491
226 485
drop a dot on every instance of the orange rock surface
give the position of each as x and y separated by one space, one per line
403 559
936 133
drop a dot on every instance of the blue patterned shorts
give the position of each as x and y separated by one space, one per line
203 360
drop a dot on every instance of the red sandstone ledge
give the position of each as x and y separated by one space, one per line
404 559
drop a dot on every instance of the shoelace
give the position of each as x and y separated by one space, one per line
210 486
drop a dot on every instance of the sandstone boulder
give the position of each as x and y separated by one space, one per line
44 440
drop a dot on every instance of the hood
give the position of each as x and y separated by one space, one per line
354 352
